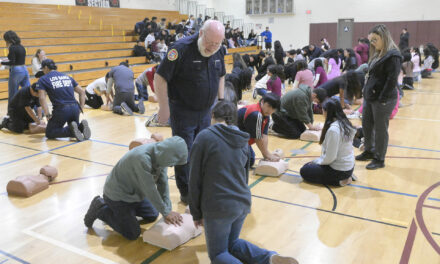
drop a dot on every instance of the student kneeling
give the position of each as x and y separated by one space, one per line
220 198
138 186
21 113
336 164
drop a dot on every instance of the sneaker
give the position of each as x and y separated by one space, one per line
254 93
126 110
76 133
153 122
85 129
141 106
92 213
375 164
3 122
277 259
364 156
354 177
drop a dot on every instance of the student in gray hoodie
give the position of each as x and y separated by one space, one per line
336 163
138 186
220 198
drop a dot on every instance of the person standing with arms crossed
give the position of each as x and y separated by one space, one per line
187 83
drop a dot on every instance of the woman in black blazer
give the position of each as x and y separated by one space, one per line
380 95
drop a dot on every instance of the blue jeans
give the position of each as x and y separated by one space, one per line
121 216
251 42
261 91
186 124
223 243
60 116
18 76
142 91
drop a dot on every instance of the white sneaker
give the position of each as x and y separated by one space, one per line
153 122
254 93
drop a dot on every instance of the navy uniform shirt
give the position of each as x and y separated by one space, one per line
59 87
193 80
22 99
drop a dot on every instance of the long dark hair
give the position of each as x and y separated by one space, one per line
277 46
351 52
335 113
417 51
238 61
354 87
318 63
272 69
11 37
332 54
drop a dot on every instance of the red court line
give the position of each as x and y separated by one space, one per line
432 207
409 243
80 178
421 221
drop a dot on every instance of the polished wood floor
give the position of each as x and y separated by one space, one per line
387 216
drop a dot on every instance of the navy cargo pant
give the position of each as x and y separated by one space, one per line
60 116
187 124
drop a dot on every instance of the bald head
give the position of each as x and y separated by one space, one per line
211 36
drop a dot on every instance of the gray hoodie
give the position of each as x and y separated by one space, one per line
219 171
142 173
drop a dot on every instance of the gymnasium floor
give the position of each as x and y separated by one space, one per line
387 216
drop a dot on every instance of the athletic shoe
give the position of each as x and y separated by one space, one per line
141 106
76 133
153 122
254 93
126 110
375 164
85 129
92 214
3 122
364 156
277 259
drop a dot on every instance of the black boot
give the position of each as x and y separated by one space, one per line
364 156
375 164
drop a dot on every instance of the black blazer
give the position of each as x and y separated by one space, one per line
382 77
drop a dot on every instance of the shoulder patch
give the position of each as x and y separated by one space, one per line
172 55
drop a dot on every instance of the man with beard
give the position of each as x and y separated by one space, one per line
187 82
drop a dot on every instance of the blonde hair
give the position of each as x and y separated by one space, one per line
388 43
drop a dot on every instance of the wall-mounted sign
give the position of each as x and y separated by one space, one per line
98 3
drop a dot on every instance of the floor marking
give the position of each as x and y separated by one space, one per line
404 259
394 221
109 143
36 154
417 119
154 256
12 257
84 253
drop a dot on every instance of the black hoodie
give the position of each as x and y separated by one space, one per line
219 172
382 78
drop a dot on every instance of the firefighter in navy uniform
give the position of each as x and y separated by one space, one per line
187 83
60 88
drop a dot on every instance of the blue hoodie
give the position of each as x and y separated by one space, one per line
219 172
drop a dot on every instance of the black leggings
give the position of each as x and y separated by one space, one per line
323 174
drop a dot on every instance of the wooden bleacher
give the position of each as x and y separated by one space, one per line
85 42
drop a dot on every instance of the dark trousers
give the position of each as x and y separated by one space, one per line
121 216
408 83
375 120
60 116
142 91
93 100
286 126
127 98
186 124
323 174
18 120
426 73
251 156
